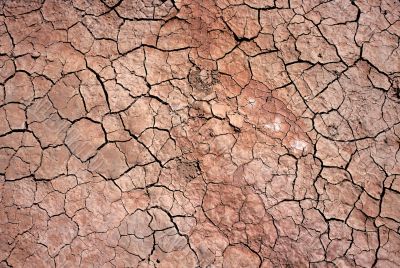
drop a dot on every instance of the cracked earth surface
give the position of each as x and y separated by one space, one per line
188 133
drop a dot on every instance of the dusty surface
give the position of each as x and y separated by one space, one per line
224 133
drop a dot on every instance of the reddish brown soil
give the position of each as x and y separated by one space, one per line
188 133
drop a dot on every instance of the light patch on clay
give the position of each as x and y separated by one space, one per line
299 145
252 101
275 126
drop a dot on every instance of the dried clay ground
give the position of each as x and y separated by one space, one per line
188 133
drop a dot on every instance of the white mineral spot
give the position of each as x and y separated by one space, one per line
275 126
299 145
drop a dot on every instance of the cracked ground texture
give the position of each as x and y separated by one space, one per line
188 133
